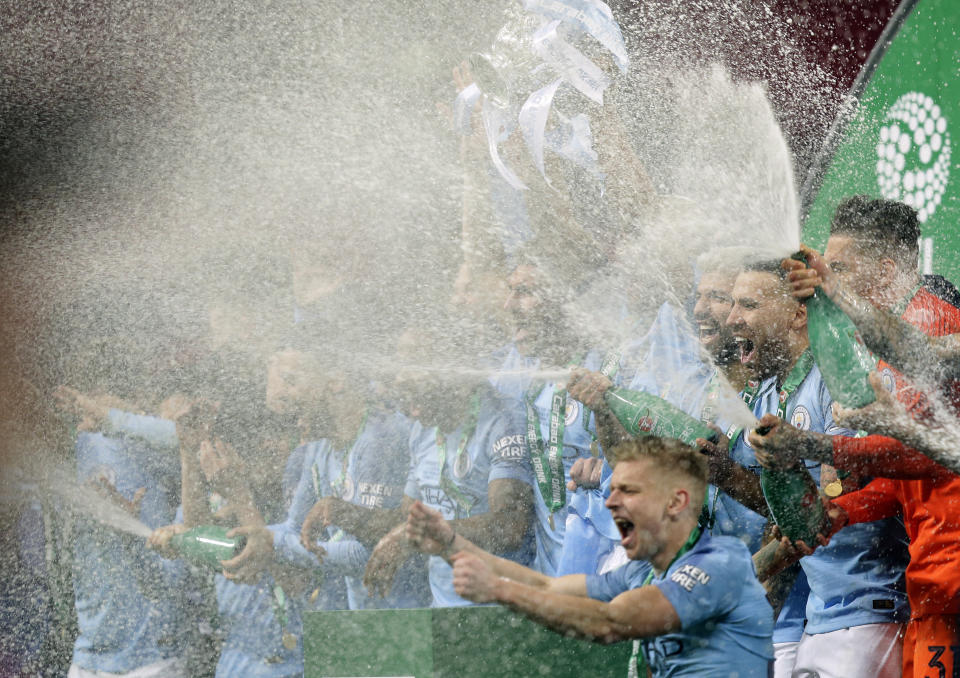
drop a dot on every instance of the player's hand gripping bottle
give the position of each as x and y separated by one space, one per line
844 362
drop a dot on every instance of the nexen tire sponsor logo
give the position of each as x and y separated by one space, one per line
511 447
689 576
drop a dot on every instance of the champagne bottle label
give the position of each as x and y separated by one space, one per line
207 545
644 414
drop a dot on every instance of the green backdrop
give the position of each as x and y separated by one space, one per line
899 142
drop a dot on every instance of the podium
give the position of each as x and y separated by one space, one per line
457 642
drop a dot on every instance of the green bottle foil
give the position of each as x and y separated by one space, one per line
642 414
794 502
207 545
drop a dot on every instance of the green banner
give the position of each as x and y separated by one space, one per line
452 642
899 142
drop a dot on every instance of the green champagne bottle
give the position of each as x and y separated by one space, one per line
844 362
794 501
207 545
642 414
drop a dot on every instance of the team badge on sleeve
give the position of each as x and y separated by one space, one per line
800 418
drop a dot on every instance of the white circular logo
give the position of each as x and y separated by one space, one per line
913 154
572 412
800 418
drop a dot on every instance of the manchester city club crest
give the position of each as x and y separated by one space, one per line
800 418
572 412
887 379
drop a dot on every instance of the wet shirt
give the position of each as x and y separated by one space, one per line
128 599
726 621
579 433
372 474
248 614
579 429
927 495
497 449
858 579
591 538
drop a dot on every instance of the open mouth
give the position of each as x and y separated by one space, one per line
626 529
708 332
747 350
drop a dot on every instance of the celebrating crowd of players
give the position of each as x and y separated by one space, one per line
432 487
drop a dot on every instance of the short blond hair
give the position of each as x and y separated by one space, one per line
669 455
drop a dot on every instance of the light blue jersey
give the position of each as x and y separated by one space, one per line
578 435
726 621
665 362
376 475
250 615
511 376
734 519
128 599
496 450
371 474
859 577
591 535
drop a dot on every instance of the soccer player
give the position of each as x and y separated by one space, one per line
669 351
468 461
693 599
559 429
128 603
354 457
869 269
257 621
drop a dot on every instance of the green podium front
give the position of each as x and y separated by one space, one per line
461 642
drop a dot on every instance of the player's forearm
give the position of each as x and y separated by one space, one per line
500 566
570 615
630 185
368 525
771 560
497 532
193 494
895 340
744 487
610 432
881 456
779 586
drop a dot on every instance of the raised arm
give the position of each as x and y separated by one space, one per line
636 613
888 335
